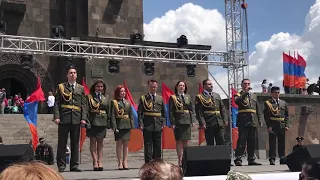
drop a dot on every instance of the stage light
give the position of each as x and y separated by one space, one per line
191 71
182 41
136 38
57 31
114 66
26 61
149 68
3 27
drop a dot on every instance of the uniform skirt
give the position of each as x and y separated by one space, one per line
182 132
97 131
123 134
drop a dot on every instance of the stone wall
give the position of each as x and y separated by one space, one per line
14 130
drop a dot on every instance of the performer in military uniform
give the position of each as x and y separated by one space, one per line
98 110
211 114
121 123
70 111
152 118
248 119
180 112
277 121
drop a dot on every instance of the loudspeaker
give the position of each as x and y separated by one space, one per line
15 154
206 160
297 158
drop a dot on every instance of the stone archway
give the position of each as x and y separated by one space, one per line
10 68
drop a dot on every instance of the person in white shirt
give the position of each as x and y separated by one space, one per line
264 86
50 102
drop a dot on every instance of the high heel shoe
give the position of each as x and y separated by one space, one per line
100 167
124 167
95 168
120 166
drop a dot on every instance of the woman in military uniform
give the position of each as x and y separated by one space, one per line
180 112
121 122
98 105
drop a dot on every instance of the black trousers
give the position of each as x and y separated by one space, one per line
63 133
50 110
152 145
279 133
215 133
247 137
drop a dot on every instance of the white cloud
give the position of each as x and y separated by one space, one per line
203 26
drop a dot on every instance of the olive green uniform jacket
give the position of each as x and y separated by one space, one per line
151 115
70 107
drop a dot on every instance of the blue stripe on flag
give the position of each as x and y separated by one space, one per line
135 117
234 117
168 123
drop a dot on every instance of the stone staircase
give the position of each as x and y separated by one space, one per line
14 130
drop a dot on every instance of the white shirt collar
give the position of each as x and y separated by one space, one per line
155 94
207 92
74 84
181 94
276 99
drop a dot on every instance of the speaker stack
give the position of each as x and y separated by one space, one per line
297 158
18 153
206 160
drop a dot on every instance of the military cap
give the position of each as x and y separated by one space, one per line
299 138
235 175
41 139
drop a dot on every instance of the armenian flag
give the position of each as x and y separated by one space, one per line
30 112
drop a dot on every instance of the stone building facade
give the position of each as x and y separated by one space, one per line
90 19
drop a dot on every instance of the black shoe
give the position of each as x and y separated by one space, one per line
238 163
254 163
61 170
75 170
272 162
100 169
282 161
125 168
95 169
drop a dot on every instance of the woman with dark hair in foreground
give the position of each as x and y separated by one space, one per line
310 171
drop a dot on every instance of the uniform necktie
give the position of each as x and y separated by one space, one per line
99 97
153 98
72 87
182 97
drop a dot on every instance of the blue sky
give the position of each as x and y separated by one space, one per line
265 17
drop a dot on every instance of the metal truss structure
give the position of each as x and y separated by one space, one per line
89 50
236 40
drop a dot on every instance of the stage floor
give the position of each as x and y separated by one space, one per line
112 173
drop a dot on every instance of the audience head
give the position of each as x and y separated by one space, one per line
264 81
30 171
160 170
310 170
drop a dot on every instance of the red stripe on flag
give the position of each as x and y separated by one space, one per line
83 130
168 139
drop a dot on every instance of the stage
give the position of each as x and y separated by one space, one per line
111 173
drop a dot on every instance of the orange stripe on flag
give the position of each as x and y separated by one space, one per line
201 136
83 135
136 140
169 141
235 135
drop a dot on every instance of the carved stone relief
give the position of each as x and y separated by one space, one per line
36 69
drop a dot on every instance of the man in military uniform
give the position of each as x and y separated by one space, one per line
70 111
248 120
277 121
152 118
299 144
44 152
211 114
